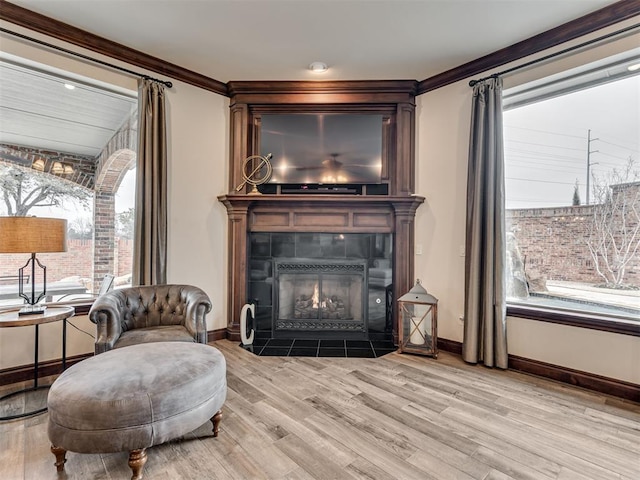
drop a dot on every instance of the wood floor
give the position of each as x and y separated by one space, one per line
394 417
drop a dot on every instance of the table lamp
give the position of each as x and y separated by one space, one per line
32 235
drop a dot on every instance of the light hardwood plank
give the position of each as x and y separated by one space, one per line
398 417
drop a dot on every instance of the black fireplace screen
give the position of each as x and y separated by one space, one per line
320 295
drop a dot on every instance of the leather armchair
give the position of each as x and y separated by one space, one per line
152 313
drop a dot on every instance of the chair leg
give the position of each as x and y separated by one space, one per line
137 459
215 420
60 454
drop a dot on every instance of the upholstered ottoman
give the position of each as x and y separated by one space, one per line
134 397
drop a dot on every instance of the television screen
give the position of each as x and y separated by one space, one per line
323 148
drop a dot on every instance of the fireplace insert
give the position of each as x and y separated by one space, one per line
320 285
312 295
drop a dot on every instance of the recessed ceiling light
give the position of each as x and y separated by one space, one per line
68 86
318 67
634 67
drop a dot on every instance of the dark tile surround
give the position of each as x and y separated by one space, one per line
377 346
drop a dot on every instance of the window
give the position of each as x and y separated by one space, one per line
573 192
67 150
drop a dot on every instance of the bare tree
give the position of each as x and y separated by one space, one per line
125 223
23 189
81 227
614 232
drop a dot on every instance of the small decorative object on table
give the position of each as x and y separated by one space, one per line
418 322
256 170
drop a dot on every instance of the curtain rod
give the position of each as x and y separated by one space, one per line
86 57
556 54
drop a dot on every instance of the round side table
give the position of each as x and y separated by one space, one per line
10 318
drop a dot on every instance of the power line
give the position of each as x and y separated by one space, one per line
612 156
533 200
539 181
560 161
547 146
581 137
525 162
621 146
541 155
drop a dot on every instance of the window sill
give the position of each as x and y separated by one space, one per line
81 307
576 319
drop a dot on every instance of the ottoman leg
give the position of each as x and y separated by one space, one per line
216 422
60 453
137 459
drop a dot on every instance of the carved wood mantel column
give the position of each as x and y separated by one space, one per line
237 262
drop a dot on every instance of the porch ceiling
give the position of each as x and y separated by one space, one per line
36 110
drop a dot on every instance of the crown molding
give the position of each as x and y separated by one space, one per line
81 38
604 17
592 22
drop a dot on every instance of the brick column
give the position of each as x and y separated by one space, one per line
104 237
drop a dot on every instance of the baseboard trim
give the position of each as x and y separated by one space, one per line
586 380
450 346
24 373
589 381
213 335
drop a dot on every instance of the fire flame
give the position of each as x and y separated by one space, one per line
316 298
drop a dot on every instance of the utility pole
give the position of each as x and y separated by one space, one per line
589 152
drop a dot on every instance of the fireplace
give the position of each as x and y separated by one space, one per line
386 208
321 285
319 296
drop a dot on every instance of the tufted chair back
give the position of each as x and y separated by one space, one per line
149 314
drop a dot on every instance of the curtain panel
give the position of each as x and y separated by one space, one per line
150 244
485 335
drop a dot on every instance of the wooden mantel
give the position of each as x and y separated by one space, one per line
314 213
392 211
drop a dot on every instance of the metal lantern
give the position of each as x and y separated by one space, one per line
418 322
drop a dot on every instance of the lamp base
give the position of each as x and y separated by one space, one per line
32 310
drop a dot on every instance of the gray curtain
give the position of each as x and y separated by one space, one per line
485 334
150 245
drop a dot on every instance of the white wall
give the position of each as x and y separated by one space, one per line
197 124
443 121
198 152
198 168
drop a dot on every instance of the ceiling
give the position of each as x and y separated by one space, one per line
277 39
39 109
231 40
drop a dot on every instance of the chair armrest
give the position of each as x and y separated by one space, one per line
106 313
197 306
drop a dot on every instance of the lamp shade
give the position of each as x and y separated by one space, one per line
32 235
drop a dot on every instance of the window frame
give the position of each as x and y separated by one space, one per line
606 70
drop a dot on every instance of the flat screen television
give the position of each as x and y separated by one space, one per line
323 148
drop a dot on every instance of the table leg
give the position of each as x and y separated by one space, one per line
35 358
64 344
35 375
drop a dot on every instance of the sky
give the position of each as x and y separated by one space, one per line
546 143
